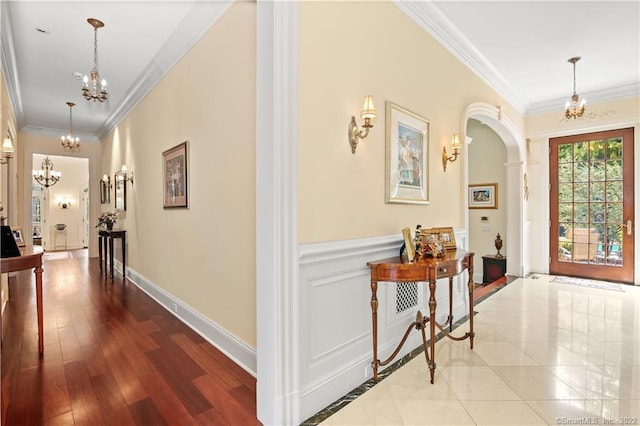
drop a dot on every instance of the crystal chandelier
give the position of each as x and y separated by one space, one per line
46 176
70 142
94 95
572 109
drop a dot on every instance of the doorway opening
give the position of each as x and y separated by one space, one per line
59 212
592 205
515 238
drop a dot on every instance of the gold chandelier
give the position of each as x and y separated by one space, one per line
70 142
46 176
94 95
572 109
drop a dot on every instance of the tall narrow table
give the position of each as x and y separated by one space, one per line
105 240
399 270
30 257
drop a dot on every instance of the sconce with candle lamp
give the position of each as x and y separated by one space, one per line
7 150
125 174
368 113
455 145
64 204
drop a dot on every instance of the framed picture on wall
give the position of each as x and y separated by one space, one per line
407 162
120 191
105 190
483 196
175 163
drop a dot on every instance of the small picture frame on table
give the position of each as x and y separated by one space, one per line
17 235
447 237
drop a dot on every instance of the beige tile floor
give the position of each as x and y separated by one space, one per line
544 353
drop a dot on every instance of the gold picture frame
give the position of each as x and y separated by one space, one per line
483 196
175 165
407 156
409 245
447 237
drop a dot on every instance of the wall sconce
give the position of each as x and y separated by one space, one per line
368 113
7 150
455 145
64 204
126 174
106 179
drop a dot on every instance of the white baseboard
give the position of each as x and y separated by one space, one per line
235 349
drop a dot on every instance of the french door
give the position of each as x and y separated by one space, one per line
591 205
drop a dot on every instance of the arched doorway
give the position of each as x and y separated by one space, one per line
513 139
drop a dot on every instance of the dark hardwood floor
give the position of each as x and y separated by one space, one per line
112 356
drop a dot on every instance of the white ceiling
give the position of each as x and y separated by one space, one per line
520 48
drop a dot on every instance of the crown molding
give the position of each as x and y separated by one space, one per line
430 18
57 133
8 60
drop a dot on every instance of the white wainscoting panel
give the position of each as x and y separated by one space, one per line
335 351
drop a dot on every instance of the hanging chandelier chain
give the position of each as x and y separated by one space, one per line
94 94
574 78
95 49
70 120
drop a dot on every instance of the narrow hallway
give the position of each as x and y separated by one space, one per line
112 355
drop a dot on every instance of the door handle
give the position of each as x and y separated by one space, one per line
629 226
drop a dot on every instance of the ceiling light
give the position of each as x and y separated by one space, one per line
47 176
70 142
94 95
572 109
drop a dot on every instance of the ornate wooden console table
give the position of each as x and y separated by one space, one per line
397 270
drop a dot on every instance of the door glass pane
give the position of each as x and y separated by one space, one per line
590 202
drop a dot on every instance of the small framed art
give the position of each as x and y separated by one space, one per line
105 188
17 235
120 191
175 164
483 196
447 238
407 148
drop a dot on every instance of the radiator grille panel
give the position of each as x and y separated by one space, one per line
406 296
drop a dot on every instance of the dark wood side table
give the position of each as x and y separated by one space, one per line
105 240
493 267
30 257
397 270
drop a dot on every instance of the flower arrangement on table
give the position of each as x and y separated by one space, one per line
107 219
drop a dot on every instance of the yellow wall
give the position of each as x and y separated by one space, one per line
374 48
204 255
8 175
